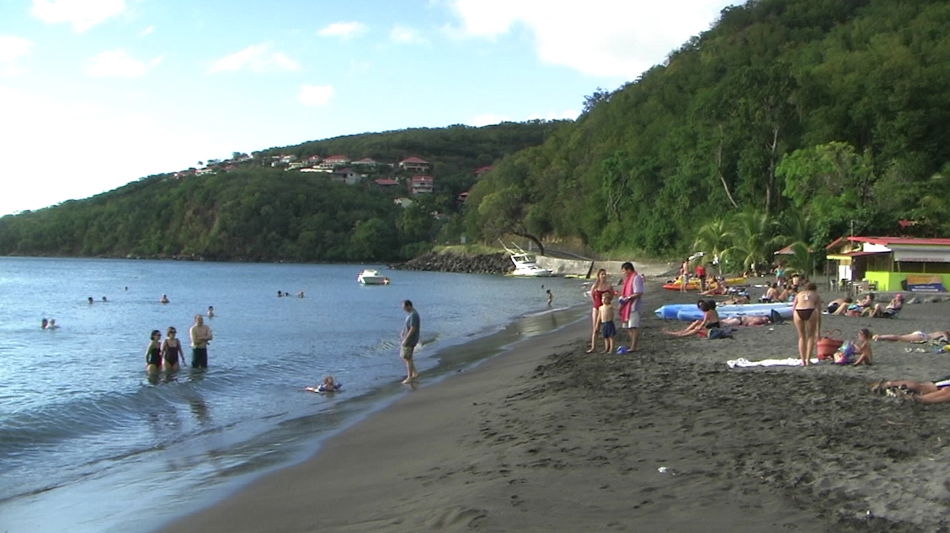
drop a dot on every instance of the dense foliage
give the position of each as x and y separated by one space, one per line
790 121
245 209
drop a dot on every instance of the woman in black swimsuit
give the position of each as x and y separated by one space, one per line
171 350
153 354
807 321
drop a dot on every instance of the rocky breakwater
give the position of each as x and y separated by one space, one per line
449 262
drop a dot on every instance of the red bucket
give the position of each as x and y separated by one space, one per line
827 346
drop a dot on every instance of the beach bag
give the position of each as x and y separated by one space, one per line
827 345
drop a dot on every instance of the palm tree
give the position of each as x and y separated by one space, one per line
714 238
753 237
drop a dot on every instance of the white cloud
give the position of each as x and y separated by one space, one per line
487 119
611 38
345 30
256 58
147 31
406 35
124 148
315 95
11 50
82 14
118 64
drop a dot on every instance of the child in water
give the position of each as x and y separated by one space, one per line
329 385
607 327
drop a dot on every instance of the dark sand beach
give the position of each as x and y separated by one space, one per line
548 438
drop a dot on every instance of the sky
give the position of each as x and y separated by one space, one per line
95 94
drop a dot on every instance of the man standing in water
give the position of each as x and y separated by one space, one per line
200 336
410 337
630 303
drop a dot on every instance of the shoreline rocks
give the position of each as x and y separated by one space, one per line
469 264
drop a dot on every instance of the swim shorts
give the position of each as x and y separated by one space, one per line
608 329
407 351
634 321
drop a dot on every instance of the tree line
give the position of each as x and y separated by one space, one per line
258 213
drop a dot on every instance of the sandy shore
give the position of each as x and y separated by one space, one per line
547 438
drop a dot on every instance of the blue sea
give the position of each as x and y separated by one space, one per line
90 442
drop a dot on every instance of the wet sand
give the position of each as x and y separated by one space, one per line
548 438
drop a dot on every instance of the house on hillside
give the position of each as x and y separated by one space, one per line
415 164
421 184
365 162
346 175
893 263
386 182
333 162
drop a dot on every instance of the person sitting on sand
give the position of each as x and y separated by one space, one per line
860 347
710 320
937 391
839 306
771 295
606 313
329 385
858 307
890 311
918 337
718 288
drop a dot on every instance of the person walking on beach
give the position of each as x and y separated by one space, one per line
200 337
410 338
630 303
806 316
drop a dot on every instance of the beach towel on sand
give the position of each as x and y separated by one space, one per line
791 361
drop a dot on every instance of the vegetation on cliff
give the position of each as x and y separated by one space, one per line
790 121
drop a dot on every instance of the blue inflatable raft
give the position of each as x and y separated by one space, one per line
691 312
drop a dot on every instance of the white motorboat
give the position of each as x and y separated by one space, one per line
372 277
526 265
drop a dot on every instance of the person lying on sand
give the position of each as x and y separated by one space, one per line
838 306
918 337
746 321
920 391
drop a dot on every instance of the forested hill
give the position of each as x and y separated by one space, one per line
267 206
788 121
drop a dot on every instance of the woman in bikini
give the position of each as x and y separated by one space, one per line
597 291
807 320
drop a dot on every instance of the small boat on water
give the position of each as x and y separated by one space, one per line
372 277
526 264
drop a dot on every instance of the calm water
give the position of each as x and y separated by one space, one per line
89 443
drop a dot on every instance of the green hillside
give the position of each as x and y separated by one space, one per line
259 208
789 121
